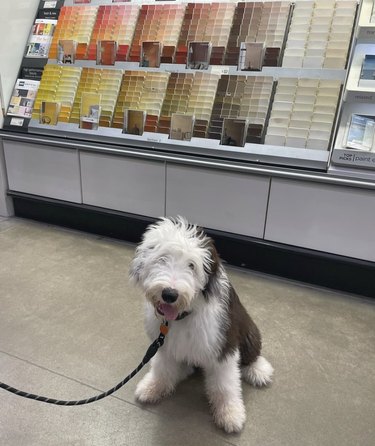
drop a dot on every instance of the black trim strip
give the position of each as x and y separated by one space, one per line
86 218
314 267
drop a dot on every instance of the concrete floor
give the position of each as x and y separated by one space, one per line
71 326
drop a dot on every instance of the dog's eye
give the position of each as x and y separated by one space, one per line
162 260
192 266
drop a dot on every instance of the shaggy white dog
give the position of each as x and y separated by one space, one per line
184 281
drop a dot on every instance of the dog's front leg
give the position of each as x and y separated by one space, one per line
223 386
162 379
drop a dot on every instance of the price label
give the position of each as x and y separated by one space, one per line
49 5
219 69
17 122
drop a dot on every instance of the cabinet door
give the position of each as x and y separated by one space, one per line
125 184
319 216
43 170
218 199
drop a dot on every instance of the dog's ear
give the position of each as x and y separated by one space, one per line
138 261
137 265
212 269
135 269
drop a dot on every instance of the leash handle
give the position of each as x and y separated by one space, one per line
151 351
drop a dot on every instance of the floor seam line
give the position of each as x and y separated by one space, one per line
228 442
143 408
72 379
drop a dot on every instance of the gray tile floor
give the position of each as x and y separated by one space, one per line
70 325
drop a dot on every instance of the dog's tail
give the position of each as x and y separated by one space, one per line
258 373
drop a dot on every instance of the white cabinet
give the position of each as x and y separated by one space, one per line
125 184
43 170
333 219
218 199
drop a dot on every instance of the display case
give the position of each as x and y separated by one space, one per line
233 114
355 142
262 66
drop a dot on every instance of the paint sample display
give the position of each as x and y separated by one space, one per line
199 55
361 132
176 99
206 22
182 127
320 34
106 51
303 113
144 91
66 51
23 97
241 97
201 101
129 96
193 100
98 81
158 23
234 132
251 56
49 113
90 110
367 76
75 23
150 54
117 23
59 84
264 23
152 98
134 122
40 38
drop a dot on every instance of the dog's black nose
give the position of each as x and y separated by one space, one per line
169 295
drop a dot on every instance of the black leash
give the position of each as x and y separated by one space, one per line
151 351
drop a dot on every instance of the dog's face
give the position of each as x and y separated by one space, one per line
173 265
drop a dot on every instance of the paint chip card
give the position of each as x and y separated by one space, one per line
49 5
17 121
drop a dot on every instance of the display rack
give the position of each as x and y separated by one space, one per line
366 29
272 205
302 153
358 99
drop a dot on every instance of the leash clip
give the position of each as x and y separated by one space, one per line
154 347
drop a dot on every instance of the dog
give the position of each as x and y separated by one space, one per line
179 270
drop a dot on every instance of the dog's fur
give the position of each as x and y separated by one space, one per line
215 333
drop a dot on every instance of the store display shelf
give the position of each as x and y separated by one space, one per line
275 72
354 92
366 29
92 3
141 2
267 154
347 171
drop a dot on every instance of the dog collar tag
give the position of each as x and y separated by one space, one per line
164 329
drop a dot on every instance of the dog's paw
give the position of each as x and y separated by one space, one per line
151 391
230 416
259 373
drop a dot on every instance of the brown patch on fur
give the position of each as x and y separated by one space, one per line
242 332
214 266
214 257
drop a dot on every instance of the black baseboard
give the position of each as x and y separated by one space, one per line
313 267
99 221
